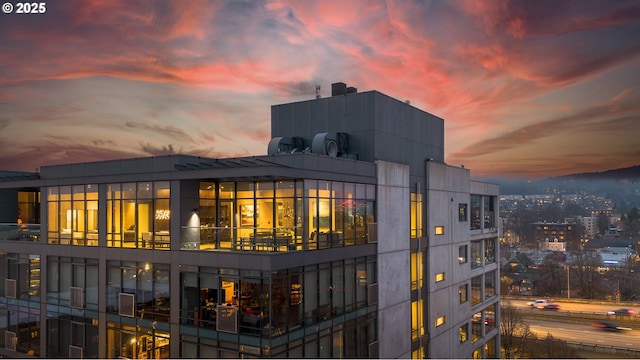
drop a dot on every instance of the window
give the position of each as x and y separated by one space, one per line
438 230
440 321
489 212
489 318
462 212
416 270
476 201
489 251
439 277
416 215
476 290
138 215
73 215
464 332
489 284
462 254
476 326
417 328
476 254
463 292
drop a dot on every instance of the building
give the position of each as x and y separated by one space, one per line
350 238
613 252
555 236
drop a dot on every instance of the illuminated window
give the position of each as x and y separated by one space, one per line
464 332
476 326
417 327
138 215
439 277
489 251
440 321
462 254
438 230
73 215
462 212
416 215
416 270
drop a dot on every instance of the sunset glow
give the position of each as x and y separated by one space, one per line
527 89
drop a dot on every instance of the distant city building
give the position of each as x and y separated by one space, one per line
608 212
351 238
552 236
590 224
613 251
553 245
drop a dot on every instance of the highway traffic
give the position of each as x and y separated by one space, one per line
574 321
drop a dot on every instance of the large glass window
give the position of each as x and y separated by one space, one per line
73 215
476 326
476 208
138 215
476 254
489 318
476 290
21 274
489 212
282 215
490 284
72 282
489 251
138 290
136 342
274 303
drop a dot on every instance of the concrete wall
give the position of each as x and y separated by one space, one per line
379 127
394 287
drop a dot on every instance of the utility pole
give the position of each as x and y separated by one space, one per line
568 284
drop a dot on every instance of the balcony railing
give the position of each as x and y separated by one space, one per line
19 232
262 239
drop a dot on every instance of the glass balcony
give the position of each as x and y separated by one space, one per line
19 232
239 239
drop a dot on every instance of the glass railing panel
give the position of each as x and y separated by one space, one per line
19 232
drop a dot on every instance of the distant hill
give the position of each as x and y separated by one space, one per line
630 174
592 182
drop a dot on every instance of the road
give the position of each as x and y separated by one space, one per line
566 305
573 323
586 334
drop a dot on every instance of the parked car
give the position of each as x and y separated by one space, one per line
622 311
609 326
540 303
551 306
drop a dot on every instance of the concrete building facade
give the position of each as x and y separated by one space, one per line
350 238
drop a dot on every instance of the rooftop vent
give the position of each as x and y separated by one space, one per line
332 144
339 88
279 145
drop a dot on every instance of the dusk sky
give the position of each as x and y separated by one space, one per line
527 89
